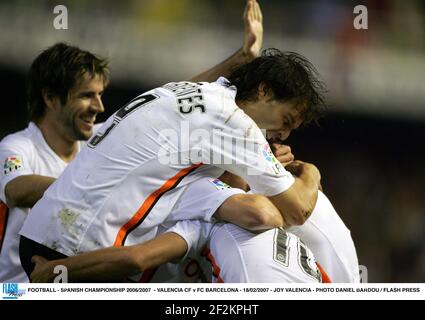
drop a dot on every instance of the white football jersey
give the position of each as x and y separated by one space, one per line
127 182
22 153
194 267
330 240
274 256
324 233
202 197
224 252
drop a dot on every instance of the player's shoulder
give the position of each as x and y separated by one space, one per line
205 104
220 88
220 96
208 92
24 139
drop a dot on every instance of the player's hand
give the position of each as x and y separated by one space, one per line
43 270
282 153
297 168
234 181
253 38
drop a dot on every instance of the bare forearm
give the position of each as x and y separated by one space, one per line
234 181
106 265
251 212
115 264
297 203
25 191
222 69
309 179
307 189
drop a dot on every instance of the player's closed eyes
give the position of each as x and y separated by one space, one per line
288 121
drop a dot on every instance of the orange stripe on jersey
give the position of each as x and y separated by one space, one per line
149 203
216 269
325 277
4 214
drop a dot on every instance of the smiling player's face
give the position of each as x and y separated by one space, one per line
78 115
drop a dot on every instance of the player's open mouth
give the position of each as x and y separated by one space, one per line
88 122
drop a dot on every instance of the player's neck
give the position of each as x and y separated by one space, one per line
249 107
65 148
241 104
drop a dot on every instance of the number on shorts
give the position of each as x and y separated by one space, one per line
281 247
133 105
307 262
281 254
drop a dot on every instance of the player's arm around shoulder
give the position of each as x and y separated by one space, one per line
24 191
292 207
253 212
19 185
113 264
299 200
250 211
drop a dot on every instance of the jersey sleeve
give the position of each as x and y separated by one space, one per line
201 199
195 233
236 144
15 157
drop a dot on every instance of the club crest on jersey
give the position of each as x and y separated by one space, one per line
271 159
220 185
13 163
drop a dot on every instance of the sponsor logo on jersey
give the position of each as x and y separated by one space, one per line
271 159
13 163
220 185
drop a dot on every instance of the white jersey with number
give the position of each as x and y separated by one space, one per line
274 256
324 233
120 189
22 153
235 255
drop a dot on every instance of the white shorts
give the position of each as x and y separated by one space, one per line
330 240
239 256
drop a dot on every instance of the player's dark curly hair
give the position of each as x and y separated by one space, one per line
56 70
290 76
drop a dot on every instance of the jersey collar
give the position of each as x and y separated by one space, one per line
222 81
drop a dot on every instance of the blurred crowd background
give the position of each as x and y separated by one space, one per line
369 147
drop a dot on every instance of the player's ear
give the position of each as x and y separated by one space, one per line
264 91
50 100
